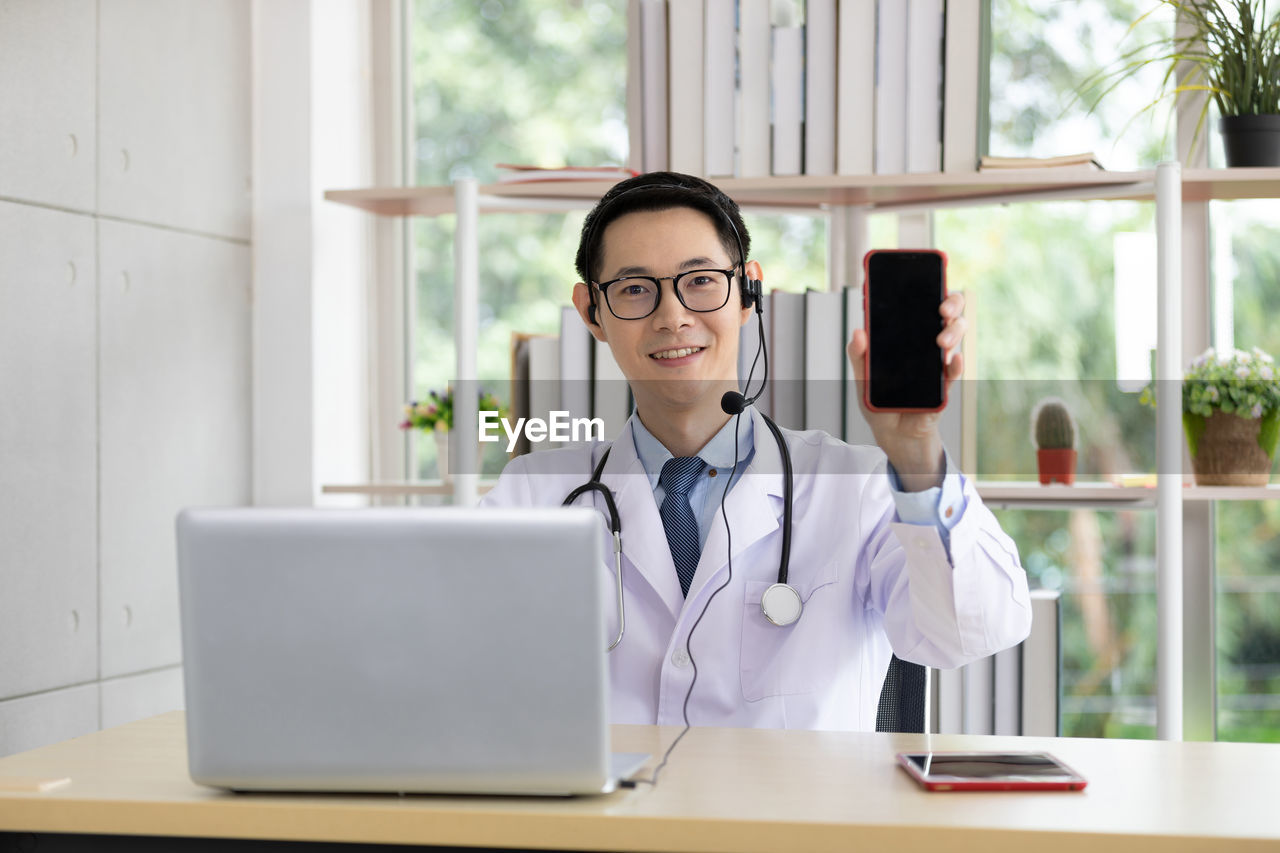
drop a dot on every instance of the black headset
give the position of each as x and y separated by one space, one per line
751 290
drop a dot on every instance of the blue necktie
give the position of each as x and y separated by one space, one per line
677 478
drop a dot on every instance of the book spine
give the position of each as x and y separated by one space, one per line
961 97
978 697
924 86
855 88
544 383
788 99
891 87
753 82
1042 667
635 87
1007 674
786 357
856 429
653 15
824 357
575 364
611 399
719 114
685 58
820 32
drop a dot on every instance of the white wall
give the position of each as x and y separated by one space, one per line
125 356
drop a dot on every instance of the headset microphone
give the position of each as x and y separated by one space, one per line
733 402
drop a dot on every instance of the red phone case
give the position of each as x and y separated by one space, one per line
866 324
1077 783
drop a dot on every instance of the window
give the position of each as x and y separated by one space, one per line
502 81
1043 280
1245 262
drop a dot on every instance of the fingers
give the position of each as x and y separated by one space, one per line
952 311
857 349
953 305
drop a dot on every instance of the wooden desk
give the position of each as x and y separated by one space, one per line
724 790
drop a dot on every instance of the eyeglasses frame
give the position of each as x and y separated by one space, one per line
657 280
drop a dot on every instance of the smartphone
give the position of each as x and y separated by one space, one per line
990 771
904 369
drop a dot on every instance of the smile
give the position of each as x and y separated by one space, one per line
676 353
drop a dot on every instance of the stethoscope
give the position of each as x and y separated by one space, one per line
780 603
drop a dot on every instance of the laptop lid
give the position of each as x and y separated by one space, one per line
418 650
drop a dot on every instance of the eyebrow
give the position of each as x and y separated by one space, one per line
690 264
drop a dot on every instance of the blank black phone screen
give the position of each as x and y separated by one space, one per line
904 290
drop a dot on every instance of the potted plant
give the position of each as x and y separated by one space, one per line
1231 416
435 416
1054 435
1233 53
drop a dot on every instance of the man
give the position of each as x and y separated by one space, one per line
891 550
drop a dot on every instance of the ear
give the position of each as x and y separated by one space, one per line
753 270
582 301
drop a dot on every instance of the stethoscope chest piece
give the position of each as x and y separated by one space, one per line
781 604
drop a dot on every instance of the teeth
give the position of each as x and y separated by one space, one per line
677 353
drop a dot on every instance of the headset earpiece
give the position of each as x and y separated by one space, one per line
591 314
752 291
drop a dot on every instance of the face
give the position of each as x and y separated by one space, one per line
674 358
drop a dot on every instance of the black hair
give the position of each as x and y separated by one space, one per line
660 191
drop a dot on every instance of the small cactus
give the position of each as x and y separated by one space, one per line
1054 429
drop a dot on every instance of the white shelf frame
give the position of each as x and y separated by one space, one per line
848 200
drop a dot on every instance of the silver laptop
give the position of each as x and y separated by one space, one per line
406 650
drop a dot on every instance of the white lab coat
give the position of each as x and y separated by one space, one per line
870 587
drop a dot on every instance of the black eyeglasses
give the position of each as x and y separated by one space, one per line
635 297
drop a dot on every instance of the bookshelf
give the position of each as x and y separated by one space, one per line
850 198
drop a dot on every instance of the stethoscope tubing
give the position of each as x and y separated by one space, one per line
780 591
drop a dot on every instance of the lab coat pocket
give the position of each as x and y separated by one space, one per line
797 658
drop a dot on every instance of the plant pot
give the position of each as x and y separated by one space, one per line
1057 465
442 454
1228 450
1251 140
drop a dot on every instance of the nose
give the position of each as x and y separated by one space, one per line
671 313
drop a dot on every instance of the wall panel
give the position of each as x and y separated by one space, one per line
48 450
135 697
174 424
35 721
47 101
174 143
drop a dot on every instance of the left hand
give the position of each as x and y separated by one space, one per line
911 439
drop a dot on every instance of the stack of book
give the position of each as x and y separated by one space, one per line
752 88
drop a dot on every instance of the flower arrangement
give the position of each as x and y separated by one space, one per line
1231 416
1246 384
436 412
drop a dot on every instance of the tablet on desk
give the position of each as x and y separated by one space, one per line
990 771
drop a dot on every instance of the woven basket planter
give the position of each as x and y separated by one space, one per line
1226 451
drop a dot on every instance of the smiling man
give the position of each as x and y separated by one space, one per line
806 563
